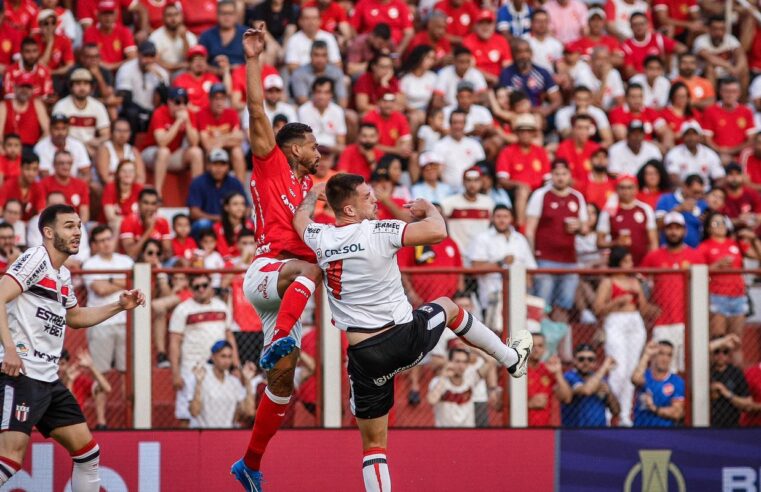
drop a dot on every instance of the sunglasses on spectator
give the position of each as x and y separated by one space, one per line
202 286
589 358
724 351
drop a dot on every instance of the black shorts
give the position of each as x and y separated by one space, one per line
28 403
374 362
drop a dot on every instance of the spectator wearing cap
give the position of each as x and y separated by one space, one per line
88 118
103 85
578 148
688 201
208 191
394 13
28 63
430 187
20 15
219 128
445 92
393 128
643 43
59 139
591 395
361 157
318 65
750 160
367 46
327 119
514 19
629 155
692 157
87 11
742 204
76 191
523 75
728 125
660 393
491 51
372 85
298 46
435 36
24 115
634 109
172 40
459 151
198 79
273 99
722 53
729 388
136 83
56 49
702 93
546 50
594 35
555 214
468 213
479 120
224 42
173 143
567 19
114 41
655 87
522 166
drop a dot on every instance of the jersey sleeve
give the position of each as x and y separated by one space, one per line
312 235
29 268
71 297
387 235
603 222
678 388
534 206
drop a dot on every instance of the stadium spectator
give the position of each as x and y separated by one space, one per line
234 219
644 43
692 157
120 195
394 13
209 189
701 91
652 181
76 191
280 17
728 124
460 16
326 118
298 46
751 415
317 66
10 42
478 121
750 160
361 157
582 105
567 19
25 188
103 87
660 393
219 128
435 36
219 399
729 389
545 49
372 85
197 80
687 200
447 79
56 48
334 19
88 118
12 211
655 86
393 128
469 212
173 141
629 155
29 64
10 161
430 187
555 214
172 40
592 396
368 46
391 165
458 151
545 384
597 186
721 53
489 184
514 19
578 148
116 150
115 42
537 82
594 35
742 203
678 18
195 326
183 244
602 79
491 51
224 41
107 342
9 250
274 105
136 229
136 83
24 115
84 380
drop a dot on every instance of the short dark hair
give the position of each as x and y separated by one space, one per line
195 276
456 350
635 15
666 343
581 88
245 232
148 192
538 12
28 42
207 233
652 58
318 44
461 50
617 255
631 87
582 117
51 213
715 18
29 157
9 136
98 230
291 132
501 206
341 188
6 225
178 217
457 111
694 178
517 96
382 30
367 124
322 80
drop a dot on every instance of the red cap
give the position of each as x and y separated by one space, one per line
485 15
24 78
106 6
626 177
198 50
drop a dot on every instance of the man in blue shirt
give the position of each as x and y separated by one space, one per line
522 75
226 38
514 18
591 393
660 393
209 189
689 202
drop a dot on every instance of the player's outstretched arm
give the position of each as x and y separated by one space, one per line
303 216
85 317
260 129
430 227
12 364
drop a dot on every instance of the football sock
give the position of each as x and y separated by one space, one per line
466 326
84 475
269 416
8 468
292 305
375 471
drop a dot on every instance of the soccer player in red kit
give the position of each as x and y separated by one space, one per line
283 275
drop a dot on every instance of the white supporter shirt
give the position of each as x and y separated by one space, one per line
299 47
83 123
705 162
170 49
614 85
37 317
45 150
456 409
201 325
282 107
623 161
219 399
418 90
130 78
656 96
361 272
545 52
97 262
724 50
447 80
326 125
458 156
477 115
467 219
623 12
565 114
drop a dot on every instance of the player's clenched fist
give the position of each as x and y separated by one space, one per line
253 40
419 208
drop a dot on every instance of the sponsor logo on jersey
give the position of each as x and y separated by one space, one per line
312 231
37 274
262 288
22 412
349 248
21 349
288 204
426 309
46 357
384 227
52 319
384 379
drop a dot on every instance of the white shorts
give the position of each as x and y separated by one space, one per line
108 347
673 333
176 162
183 398
260 288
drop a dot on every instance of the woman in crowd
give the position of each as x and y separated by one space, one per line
117 149
588 255
679 109
391 165
418 83
120 195
432 131
234 219
653 181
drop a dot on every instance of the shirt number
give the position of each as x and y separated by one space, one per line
334 271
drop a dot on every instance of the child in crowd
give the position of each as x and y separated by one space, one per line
183 245
10 161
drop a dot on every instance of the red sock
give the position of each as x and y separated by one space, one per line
269 416
292 305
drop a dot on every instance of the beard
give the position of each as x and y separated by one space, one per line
61 245
600 169
673 243
367 145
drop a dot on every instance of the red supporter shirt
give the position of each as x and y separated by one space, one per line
552 241
459 19
490 55
578 159
23 17
197 87
126 206
369 13
331 16
32 200
113 46
669 289
751 165
365 84
432 286
155 9
132 228
753 377
731 285
238 75
10 43
674 121
747 201
597 192
754 58
635 220
585 45
199 15
649 117
677 9
541 382
43 81
649 197
10 169
184 247
162 120
244 313
277 193
390 129
442 47
229 250
728 127
62 53
384 213
218 125
26 125
354 162
76 191
518 165
87 10
635 51
82 389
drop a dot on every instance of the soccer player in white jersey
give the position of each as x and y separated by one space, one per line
37 303
386 336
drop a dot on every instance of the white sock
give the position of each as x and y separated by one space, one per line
8 468
375 471
477 334
84 476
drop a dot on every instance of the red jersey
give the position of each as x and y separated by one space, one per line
724 284
184 247
751 165
113 45
32 200
276 194
527 167
552 241
459 19
442 47
155 9
675 121
597 192
25 124
585 45
10 43
490 55
369 13
390 129
76 191
126 206
197 87
623 115
23 17
541 382
638 220
578 159
655 44
650 197
432 286
87 10
354 162
754 53
238 76
669 289
199 15
748 200
132 228
753 377
162 120
218 125
677 9
229 250
366 84
10 169
728 127
43 81
331 16
62 53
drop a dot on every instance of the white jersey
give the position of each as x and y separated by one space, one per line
361 273
456 409
201 326
37 317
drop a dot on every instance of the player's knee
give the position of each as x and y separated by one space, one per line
312 272
450 308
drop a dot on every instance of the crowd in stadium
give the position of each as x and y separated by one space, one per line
559 135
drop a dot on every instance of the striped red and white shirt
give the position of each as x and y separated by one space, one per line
83 123
456 408
201 325
467 219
